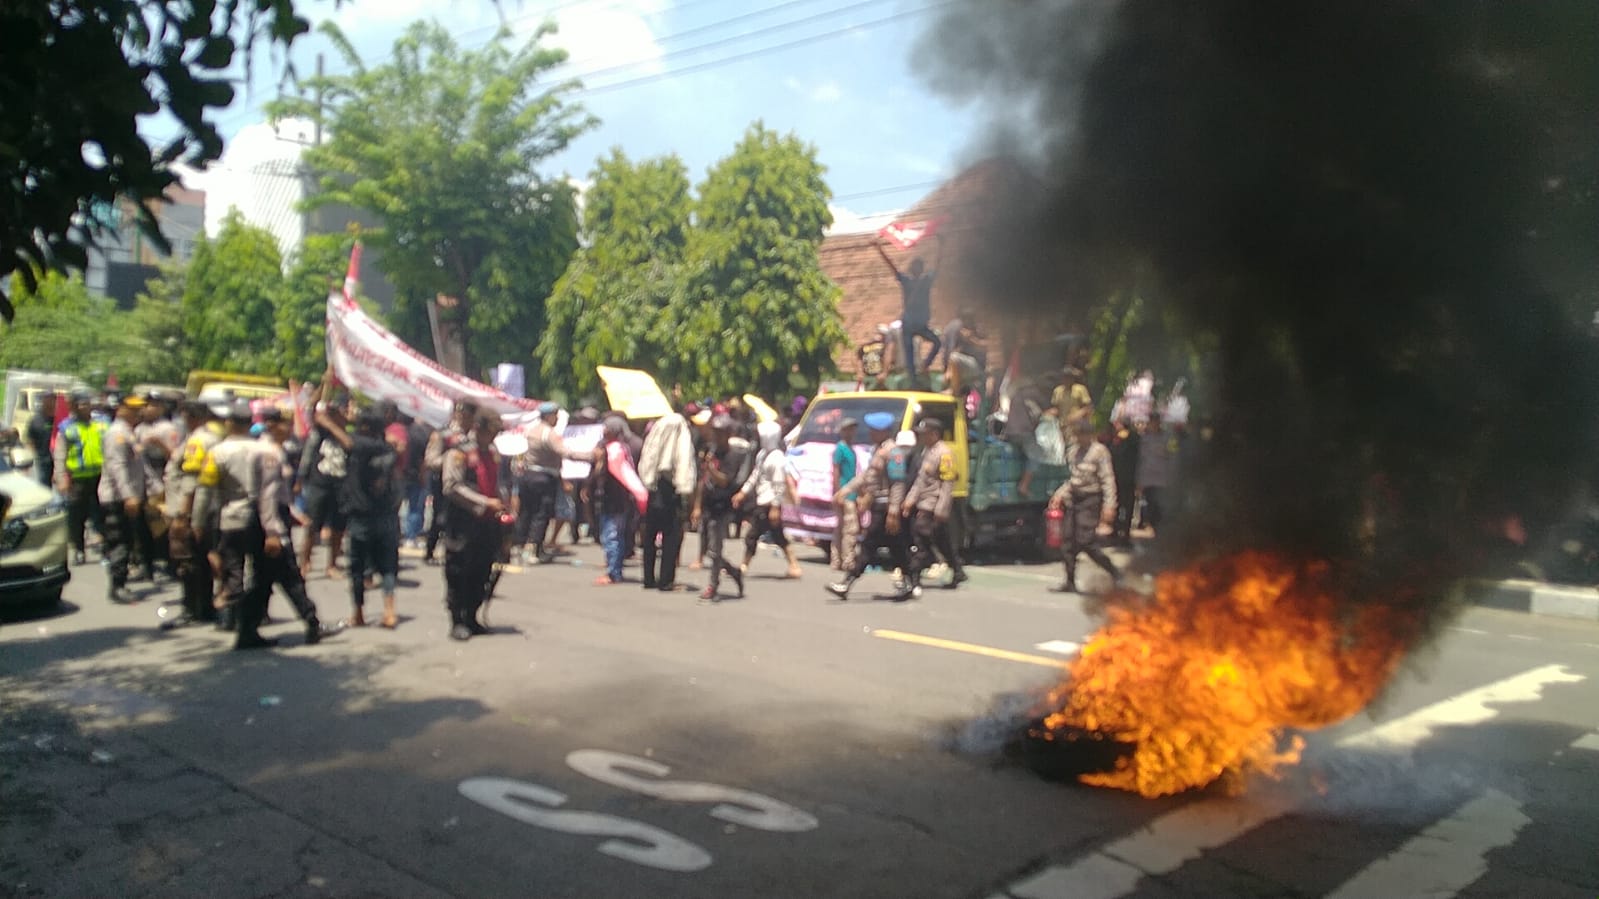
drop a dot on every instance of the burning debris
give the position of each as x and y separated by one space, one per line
1376 223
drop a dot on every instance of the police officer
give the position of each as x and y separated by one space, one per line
281 569
158 439
440 443
79 457
931 500
539 482
876 486
1089 500
240 481
190 556
121 494
477 499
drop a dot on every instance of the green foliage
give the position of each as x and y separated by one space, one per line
444 145
757 308
77 76
230 298
60 326
301 314
606 309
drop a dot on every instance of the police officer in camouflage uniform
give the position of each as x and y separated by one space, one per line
883 494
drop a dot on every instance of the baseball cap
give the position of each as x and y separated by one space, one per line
905 438
848 423
930 424
879 421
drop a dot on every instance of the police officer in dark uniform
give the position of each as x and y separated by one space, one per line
477 495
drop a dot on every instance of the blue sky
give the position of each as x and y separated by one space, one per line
885 138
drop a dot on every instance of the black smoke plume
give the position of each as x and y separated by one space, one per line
1382 216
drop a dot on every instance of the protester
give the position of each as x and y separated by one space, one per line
724 466
965 354
666 466
611 485
916 290
323 465
538 484
79 460
881 485
415 481
472 527
1156 457
121 494
369 501
846 533
768 483
1022 418
1124 451
1088 499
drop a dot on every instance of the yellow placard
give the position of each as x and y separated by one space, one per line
633 393
762 411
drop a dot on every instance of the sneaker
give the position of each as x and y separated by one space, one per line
253 641
738 581
960 577
78 558
708 596
119 595
460 632
1064 587
840 589
313 632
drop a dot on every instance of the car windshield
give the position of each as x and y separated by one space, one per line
826 414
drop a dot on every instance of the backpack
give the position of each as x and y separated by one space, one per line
899 464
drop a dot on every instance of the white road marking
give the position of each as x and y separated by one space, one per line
1589 742
1059 647
734 806
1174 839
1469 630
1446 857
1523 637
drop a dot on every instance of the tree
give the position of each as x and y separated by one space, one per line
607 308
230 298
301 314
60 326
77 75
757 307
157 322
444 145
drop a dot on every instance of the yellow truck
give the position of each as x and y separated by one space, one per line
219 386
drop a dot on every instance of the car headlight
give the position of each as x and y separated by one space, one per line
12 534
55 506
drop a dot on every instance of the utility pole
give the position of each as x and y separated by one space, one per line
316 140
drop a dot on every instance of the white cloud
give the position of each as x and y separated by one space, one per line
848 222
827 92
602 37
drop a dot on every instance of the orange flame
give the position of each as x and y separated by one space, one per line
1201 681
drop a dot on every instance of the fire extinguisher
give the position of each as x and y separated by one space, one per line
1054 528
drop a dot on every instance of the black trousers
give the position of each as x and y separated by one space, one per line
908 334
118 534
1082 518
537 490
875 539
150 549
761 525
83 505
1154 506
374 547
663 519
191 565
469 553
248 601
1126 508
928 534
436 525
716 525
284 571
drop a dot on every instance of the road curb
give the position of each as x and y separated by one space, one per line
1534 597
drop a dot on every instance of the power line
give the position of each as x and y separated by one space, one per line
709 26
762 51
921 185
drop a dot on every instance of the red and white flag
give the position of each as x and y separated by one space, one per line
352 276
908 234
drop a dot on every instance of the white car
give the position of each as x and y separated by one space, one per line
33 540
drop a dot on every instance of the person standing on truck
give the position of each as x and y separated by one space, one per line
848 530
916 318
122 495
79 457
932 499
965 354
882 486
1089 500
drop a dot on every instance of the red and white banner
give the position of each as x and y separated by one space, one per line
908 234
368 358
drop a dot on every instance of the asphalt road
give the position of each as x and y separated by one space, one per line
615 742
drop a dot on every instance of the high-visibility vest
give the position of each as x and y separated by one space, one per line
85 448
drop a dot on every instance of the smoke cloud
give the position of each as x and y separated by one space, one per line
1381 219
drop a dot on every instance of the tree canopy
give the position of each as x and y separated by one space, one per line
60 326
444 144
230 297
77 75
